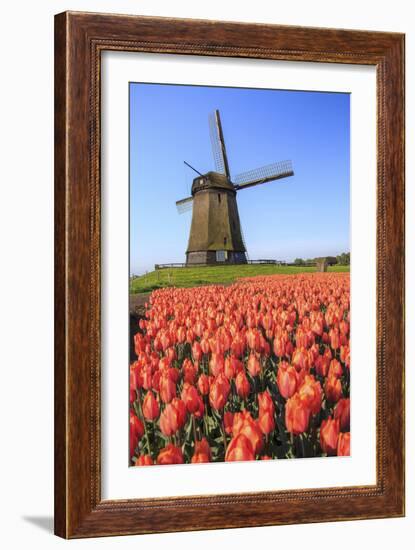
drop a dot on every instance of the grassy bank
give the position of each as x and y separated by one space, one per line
196 276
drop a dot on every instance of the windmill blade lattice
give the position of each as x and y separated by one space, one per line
277 170
184 205
218 144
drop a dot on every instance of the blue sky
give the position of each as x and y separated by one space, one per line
306 215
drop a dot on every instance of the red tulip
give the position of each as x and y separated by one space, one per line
190 397
334 338
229 368
329 435
219 390
228 422
136 432
254 366
167 388
335 369
287 380
265 403
151 408
243 387
297 415
189 372
333 388
266 422
170 455
343 445
342 413
197 352
216 364
311 393
301 359
243 423
203 384
144 460
173 417
202 452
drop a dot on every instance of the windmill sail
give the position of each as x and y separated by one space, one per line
218 144
184 205
278 170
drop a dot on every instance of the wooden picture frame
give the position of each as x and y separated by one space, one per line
79 40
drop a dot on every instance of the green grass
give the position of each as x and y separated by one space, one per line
196 276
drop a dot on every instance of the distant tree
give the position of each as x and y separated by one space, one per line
299 261
343 258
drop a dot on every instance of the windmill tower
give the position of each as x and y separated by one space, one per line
215 232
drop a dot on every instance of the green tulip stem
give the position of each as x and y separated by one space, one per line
222 427
194 428
145 427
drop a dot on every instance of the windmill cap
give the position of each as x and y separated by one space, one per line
211 180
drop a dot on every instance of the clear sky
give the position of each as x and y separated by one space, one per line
303 216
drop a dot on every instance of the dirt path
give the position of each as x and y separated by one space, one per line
137 302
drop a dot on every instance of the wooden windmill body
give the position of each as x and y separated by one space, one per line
215 233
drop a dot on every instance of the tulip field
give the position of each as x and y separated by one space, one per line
256 370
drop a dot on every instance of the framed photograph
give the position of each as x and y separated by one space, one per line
229 275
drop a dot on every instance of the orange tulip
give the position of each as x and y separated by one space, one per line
297 415
286 380
311 393
329 435
239 448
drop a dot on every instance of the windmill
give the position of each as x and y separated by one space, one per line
215 232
